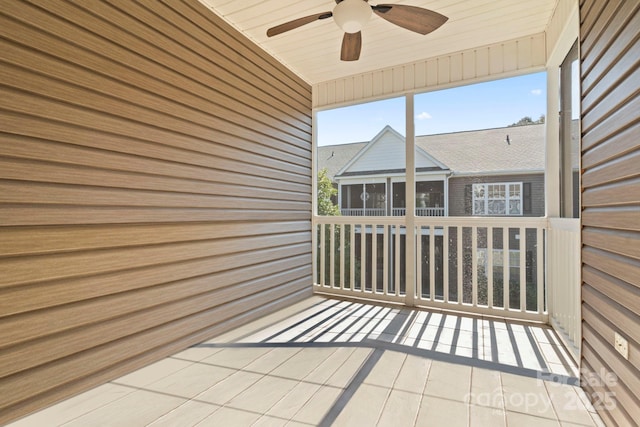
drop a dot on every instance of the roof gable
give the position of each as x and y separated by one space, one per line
386 151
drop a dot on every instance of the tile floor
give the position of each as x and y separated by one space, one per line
329 362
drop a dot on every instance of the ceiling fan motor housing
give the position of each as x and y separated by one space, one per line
351 15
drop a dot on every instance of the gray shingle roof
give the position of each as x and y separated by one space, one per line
334 157
469 152
486 151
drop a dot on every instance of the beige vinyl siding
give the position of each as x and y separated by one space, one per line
610 53
155 189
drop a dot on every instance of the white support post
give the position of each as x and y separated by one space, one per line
410 197
489 272
445 263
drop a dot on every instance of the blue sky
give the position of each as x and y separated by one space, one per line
479 106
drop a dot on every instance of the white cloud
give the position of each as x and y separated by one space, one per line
423 116
536 92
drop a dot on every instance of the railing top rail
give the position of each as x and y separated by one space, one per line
358 220
493 221
464 221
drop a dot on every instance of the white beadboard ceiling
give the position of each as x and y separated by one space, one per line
313 51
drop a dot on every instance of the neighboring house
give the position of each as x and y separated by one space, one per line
486 172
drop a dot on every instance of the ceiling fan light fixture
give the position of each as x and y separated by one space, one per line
351 15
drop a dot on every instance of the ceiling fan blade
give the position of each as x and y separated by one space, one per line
279 29
351 45
413 18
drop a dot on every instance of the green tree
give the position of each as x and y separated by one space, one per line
326 191
527 120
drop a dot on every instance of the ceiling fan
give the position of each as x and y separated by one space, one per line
352 15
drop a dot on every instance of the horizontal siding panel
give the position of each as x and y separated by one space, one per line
609 44
20 271
622 193
49 376
21 299
43 240
66 215
155 189
597 389
609 150
129 319
623 268
82 31
615 170
36 171
113 92
257 62
95 44
627 375
610 105
130 363
616 99
607 330
627 218
37 324
105 150
615 290
619 242
594 365
12 192
78 116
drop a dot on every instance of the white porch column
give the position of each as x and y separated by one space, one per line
410 197
552 148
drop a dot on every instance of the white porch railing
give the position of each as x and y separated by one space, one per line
483 265
394 212
563 275
429 211
364 212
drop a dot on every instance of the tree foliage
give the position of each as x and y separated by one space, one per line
526 120
326 191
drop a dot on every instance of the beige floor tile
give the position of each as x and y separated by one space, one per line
75 407
364 408
296 424
328 367
293 401
449 381
302 386
186 415
316 408
483 416
526 395
268 421
486 388
271 360
154 372
230 387
401 409
302 363
262 395
343 375
386 370
413 374
197 352
435 411
191 380
230 417
567 404
237 357
136 409
526 420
